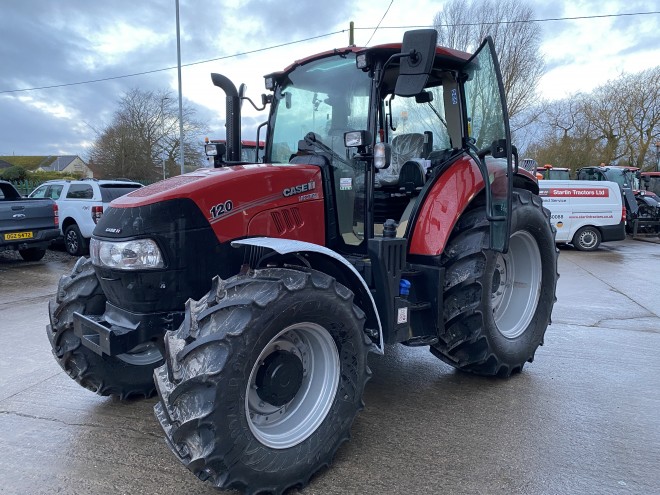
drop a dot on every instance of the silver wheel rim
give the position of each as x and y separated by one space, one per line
142 355
587 239
288 425
72 241
516 285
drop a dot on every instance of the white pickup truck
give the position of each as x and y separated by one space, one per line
585 213
81 203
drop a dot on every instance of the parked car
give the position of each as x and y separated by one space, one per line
585 213
26 225
81 203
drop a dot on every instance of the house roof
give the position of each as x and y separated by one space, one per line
52 163
59 163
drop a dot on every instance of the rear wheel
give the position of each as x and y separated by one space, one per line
74 242
32 254
263 379
497 306
127 375
587 239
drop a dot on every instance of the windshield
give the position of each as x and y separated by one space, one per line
327 97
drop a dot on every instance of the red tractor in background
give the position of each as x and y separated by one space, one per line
215 150
389 209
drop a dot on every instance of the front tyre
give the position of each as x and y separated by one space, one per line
497 306
263 379
128 375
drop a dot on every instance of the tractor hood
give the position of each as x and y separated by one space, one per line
230 198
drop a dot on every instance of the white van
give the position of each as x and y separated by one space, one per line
585 212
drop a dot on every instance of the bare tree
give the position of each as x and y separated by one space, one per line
638 97
143 138
617 123
463 24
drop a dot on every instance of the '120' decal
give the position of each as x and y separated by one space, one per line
222 208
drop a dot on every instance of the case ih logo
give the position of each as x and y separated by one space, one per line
575 192
290 191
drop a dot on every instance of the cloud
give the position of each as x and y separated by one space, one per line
49 43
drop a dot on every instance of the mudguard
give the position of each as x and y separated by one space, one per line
287 246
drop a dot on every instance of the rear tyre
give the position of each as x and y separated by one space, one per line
263 379
128 375
497 306
74 242
32 254
587 239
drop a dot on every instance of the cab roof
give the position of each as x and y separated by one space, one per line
445 58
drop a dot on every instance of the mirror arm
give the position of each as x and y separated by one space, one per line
253 104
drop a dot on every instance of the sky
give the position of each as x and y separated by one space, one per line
52 43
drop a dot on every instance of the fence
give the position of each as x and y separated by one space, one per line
26 186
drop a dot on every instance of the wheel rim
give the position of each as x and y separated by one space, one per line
516 285
142 355
587 239
72 241
283 426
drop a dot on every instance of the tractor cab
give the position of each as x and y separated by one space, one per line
383 122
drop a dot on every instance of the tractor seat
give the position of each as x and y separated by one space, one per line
405 147
412 177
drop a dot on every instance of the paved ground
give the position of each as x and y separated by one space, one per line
584 418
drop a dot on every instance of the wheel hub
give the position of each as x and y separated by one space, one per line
279 378
292 385
516 285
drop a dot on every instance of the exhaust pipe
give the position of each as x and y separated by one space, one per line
233 123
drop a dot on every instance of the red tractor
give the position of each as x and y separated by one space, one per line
389 209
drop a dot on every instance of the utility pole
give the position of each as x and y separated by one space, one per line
162 136
178 56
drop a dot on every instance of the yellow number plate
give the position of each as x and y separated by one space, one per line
14 236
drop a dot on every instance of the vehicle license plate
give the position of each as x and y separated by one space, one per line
14 236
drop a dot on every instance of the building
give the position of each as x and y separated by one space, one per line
64 164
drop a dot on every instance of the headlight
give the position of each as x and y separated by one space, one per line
140 254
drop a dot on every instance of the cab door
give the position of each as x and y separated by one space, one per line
487 134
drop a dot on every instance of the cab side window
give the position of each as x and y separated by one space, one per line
54 191
80 191
40 192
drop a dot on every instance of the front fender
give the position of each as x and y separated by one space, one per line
287 246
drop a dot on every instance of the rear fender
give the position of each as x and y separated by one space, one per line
333 264
445 202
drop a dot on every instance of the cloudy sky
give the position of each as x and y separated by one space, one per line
53 43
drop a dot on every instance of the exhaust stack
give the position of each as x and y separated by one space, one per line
233 123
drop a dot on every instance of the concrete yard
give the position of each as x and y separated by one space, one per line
583 418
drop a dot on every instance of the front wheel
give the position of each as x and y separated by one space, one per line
498 305
127 375
263 379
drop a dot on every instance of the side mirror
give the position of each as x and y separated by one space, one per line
382 155
417 57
